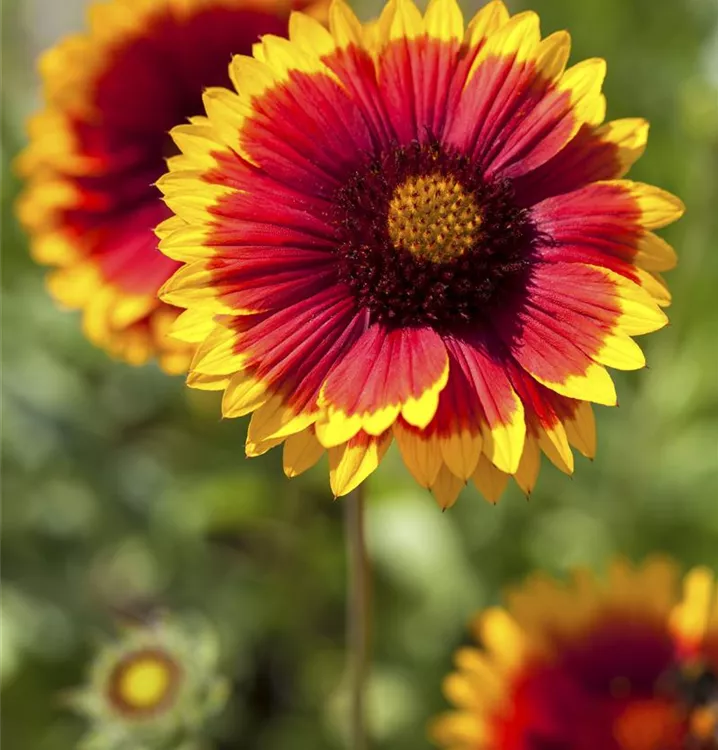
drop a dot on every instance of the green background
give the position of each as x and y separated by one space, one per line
124 491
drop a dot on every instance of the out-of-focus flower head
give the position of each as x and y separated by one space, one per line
624 664
111 95
155 689
416 230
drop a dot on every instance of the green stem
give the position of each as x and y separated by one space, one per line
358 613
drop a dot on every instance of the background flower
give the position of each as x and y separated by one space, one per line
438 249
122 487
111 95
591 666
155 689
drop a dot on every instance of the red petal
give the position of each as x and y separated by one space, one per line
415 79
509 120
597 224
586 158
295 348
387 372
266 279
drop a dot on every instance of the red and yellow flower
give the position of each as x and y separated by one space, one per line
414 230
111 96
622 665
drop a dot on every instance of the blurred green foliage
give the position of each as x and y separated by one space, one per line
124 491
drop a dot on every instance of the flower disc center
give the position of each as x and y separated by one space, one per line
433 217
423 238
143 682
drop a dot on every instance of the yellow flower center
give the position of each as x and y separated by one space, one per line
433 217
143 682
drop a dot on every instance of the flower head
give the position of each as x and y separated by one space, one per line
155 689
622 665
414 229
111 96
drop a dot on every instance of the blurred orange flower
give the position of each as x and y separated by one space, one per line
625 664
111 95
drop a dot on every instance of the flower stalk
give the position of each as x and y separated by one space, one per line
358 616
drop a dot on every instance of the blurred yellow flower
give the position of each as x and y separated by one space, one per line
624 664
155 689
111 95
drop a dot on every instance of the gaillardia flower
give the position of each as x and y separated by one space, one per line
111 96
620 665
414 230
155 689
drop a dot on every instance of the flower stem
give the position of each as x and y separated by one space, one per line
358 613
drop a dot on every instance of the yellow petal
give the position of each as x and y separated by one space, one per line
192 285
252 450
407 22
190 197
656 582
581 429
593 385
629 136
503 638
654 253
216 355
690 618
639 311
169 226
381 420
598 114
252 78
344 25
583 82
504 443
621 352
446 487
528 469
285 57
54 249
192 326
72 286
461 451
186 244
518 38
479 669
207 382
227 113
552 54
336 428
276 418
421 453
655 285
420 411
243 395
487 21
458 730
554 443
198 144
350 464
301 452
310 35
443 20
460 691
489 481
658 207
